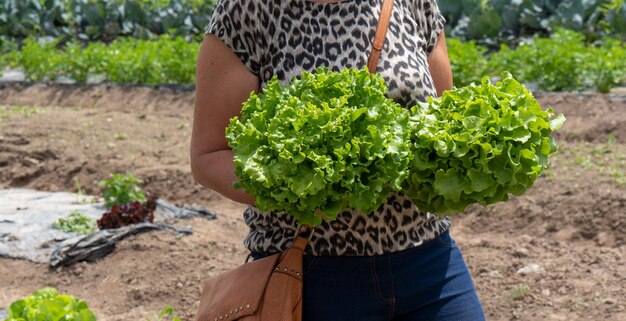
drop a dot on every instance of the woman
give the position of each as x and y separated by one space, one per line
398 263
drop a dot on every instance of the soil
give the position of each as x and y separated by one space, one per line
556 253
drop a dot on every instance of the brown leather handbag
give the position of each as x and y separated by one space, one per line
270 289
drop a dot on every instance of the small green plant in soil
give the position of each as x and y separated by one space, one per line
166 314
121 189
520 291
76 222
48 304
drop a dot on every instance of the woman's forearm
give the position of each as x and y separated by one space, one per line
216 171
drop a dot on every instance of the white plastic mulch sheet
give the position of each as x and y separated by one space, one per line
26 217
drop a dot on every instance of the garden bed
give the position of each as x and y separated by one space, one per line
572 223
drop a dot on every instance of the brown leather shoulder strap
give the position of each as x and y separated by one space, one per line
381 33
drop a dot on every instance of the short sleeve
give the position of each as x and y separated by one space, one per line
433 23
234 24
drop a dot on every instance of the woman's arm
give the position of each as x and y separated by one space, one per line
439 66
223 83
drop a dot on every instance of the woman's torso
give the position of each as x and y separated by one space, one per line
284 38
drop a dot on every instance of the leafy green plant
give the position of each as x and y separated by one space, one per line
564 62
160 61
76 222
478 144
39 59
323 143
604 66
48 304
81 61
165 315
121 189
513 59
133 62
552 62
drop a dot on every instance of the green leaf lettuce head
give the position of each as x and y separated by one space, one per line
326 141
48 305
478 144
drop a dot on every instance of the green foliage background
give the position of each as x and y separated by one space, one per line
103 20
488 21
563 62
492 22
558 45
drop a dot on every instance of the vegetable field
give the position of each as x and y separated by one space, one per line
556 253
90 88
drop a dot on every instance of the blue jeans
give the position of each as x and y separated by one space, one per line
430 283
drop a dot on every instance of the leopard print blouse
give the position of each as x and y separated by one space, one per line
284 38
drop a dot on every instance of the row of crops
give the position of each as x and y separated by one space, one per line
163 60
565 61
562 62
559 45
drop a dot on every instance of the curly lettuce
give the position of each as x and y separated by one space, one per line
478 144
325 142
48 304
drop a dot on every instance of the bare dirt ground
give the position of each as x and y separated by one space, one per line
556 253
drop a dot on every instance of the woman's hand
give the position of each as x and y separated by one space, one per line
223 83
439 66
